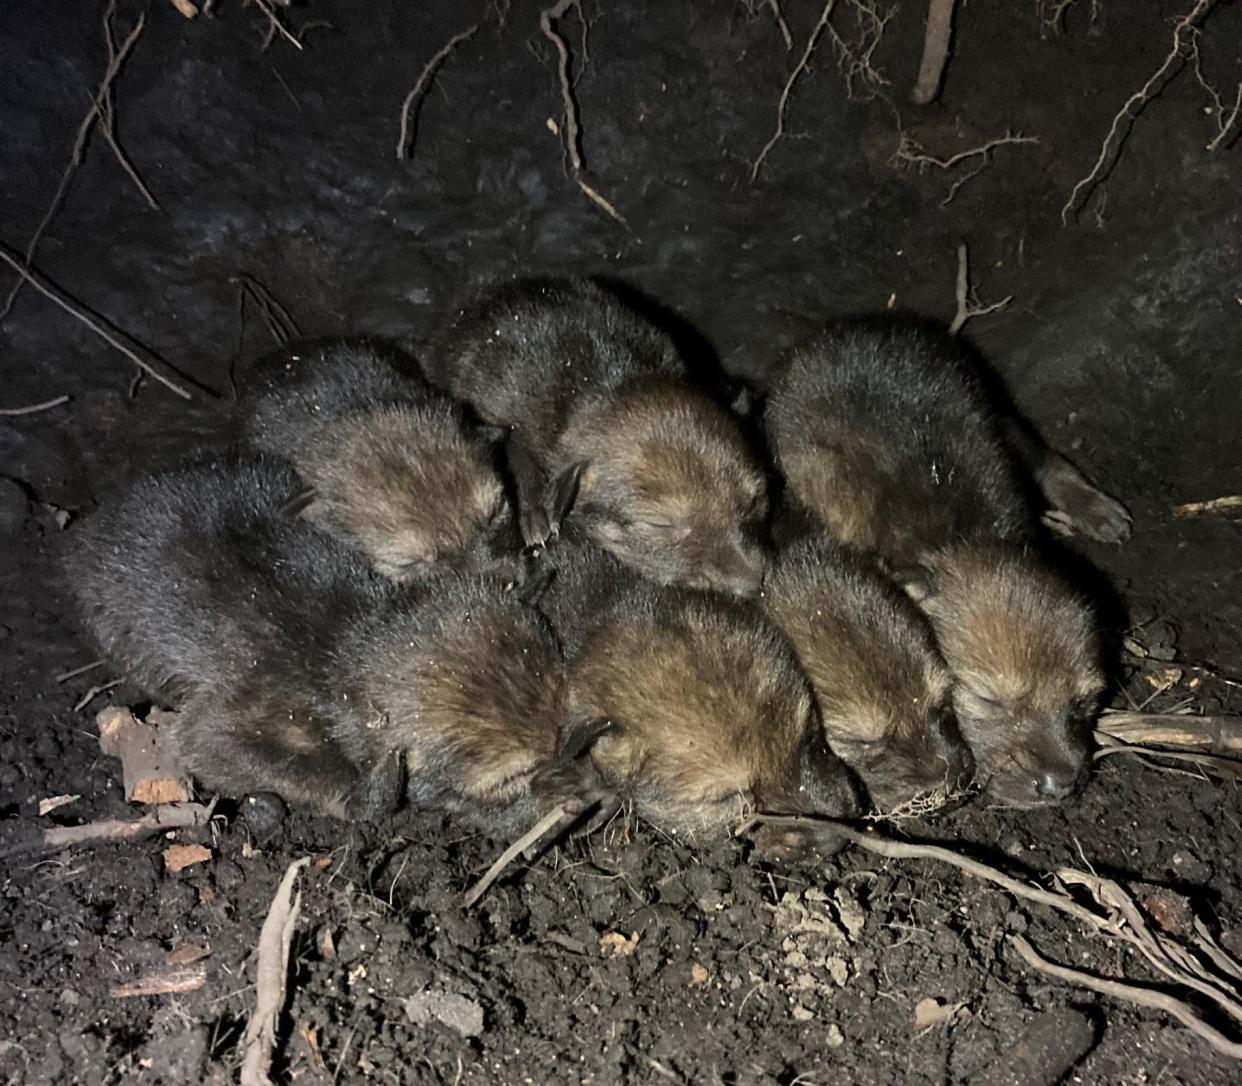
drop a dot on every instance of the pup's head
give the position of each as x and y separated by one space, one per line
712 716
670 486
412 490
883 690
1025 658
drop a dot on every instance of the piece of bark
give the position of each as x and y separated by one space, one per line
150 772
1220 734
167 983
179 857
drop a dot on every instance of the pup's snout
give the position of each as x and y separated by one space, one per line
1058 784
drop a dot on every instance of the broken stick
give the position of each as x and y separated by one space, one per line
1219 734
160 819
274 941
1214 505
534 834
28 275
168 983
935 51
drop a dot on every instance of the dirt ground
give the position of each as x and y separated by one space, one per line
278 164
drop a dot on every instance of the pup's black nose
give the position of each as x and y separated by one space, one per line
1057 784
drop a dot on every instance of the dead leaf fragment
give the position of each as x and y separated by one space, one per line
47 806
698 974
327 945
612 944
930 1012
151 774
179 857
187 954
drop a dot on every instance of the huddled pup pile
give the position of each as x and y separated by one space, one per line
547 571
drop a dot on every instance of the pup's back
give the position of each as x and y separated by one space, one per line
884 434
524 354
186 577
464 683
391 462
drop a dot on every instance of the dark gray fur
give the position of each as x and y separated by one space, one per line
296 668
187 576
899 433
527 354
663 476
392 463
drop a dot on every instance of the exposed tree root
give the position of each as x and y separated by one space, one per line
274 941
413 103
1183 47
1204 968
935 51
965 308
101 108
573 134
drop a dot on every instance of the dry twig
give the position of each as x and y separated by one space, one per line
965 311
171 982
1110 149
114 830
573 136
65 676
530 837
34 408
1215 505
935 51
116 60
93 693
57 296
1220 734
413 103
274 942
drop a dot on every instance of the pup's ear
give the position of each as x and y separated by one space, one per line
298 504
743 398
561 493
579 736
917 582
